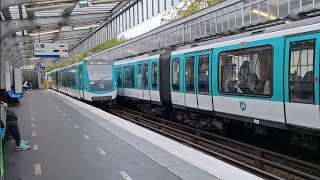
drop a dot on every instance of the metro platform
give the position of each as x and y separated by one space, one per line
73 140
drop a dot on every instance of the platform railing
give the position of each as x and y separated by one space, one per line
228 17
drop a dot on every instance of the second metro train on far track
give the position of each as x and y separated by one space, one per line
92 80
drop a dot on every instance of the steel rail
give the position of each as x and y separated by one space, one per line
261 159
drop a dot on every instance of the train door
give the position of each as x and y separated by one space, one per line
190 96
203 81
140 81
302 80
81 92
154 80
146 75
176 80
119 80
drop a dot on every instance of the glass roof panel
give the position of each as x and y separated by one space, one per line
99 8
49 13
14 11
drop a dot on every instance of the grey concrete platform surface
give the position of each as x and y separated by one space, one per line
68 144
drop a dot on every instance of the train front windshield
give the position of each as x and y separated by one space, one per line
100 74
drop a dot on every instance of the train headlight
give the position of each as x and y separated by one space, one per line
115 85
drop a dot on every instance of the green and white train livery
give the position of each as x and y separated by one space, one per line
90 80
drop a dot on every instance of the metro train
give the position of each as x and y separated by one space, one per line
91 80
265 79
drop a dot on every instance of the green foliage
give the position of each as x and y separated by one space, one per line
104 46
192 6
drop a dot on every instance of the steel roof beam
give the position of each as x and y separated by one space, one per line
7 27
62 35
13 50
68 11
20 63
6 13
20 11
22 60
30 14
106 22
21 54
94 2
7 3
9 42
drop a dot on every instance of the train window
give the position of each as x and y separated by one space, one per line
67 79
154 76
203 74
190 74
80 76
129 77
146 76
246 71
301 71
176 74
140 77
119 77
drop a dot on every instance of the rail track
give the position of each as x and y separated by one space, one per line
263 163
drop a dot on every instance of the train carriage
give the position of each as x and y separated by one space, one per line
264 78
139 78
91 80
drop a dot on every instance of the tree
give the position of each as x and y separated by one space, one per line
189 7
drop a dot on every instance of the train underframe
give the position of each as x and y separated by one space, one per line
230 126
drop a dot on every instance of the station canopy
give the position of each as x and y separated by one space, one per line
88 14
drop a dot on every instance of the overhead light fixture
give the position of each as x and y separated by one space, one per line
49 32
66 28
32 59
50 7
106 1
264 14
85 27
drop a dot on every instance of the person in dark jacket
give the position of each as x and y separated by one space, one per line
13 129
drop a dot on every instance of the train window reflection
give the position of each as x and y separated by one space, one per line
301 72
203 74
140 77
129 76
154 76
146 76
176 74
190 74
119 77
246 71
100 72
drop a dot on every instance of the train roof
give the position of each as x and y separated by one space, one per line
297 27
138 58
93 58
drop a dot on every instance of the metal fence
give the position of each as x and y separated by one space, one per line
127 17
230 16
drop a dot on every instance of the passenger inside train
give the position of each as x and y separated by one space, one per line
246 71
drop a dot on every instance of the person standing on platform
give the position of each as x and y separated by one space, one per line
25 85
30 85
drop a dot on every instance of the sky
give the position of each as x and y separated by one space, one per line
143 28
146 26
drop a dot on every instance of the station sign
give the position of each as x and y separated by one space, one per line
50 50
39 68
